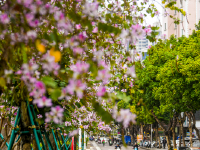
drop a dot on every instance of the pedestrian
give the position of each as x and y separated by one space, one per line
135 147
103 142
164 142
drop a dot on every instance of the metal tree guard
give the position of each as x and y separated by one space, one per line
38 132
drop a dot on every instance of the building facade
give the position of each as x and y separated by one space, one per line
187 23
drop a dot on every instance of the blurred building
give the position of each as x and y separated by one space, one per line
143 44
187 23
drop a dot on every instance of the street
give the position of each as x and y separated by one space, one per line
94 146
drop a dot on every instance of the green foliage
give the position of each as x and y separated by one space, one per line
170 78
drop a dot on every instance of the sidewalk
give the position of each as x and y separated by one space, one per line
153 148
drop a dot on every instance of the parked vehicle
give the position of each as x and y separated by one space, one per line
99 141
110 143
91 138
127 139
146 143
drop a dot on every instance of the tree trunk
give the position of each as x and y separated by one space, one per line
180 132
166 129
141 129
190 129
174 138
181 121
159 143
51 138
6 132
194 125
168 141
156 133
183 136
25 123
197 131
34 144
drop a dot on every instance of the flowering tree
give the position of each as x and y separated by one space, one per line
63 56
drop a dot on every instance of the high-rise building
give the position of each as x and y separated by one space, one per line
143 44
187 23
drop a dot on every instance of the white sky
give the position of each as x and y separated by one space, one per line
149 20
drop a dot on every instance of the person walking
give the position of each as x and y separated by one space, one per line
103 142
164 142
135 147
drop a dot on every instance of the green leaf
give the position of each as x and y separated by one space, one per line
49 81
123 96
56 94
2 82
106 116
24 55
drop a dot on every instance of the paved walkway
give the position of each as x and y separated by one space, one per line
92 145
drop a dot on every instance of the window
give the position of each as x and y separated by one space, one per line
181 3
175 36
165 26
182 32
175 25
175 12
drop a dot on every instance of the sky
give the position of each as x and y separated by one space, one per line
149 20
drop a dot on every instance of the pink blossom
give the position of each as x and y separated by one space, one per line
101 91
149 46
95 30
103 75
48 117
39 116
166 13
49 65
31 34
163 36
59 16
76 86
148 31
30 17
57 114
27 2
78 26
4 18
81 37
137 31
80 67
157 13
90 9
131 71
39 89
67 123
29 68
74 132
42 102
78 50
126 117
39 85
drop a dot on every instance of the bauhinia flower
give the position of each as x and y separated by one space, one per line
42 102
131 71
76 86
56 115
4 18
80 67
103 75
101 91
